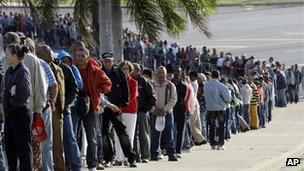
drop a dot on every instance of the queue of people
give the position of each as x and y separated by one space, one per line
66 110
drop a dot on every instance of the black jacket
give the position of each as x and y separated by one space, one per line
71 86
182 92
147 95
120 93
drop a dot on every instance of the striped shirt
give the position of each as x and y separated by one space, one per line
51 80
255 95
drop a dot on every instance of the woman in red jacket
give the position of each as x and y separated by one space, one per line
129 113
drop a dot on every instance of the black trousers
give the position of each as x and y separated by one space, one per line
216 121
108 149
180 122
18 139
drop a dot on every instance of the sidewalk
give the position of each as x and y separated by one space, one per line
264 149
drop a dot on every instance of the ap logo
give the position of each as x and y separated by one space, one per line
293 161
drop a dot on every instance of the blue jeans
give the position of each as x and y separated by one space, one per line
2 157
90 126
232 120
262 116
204 124
71 150
281 98
246 114
156 136
187 137
47 145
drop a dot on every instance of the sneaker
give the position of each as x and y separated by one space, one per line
132 164
178 156
214 147
172 159
108 164
220 148
126 163
92 169
145 161
100 167
161 156
263 126
117 163
154 158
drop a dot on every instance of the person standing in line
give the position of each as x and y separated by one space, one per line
217 99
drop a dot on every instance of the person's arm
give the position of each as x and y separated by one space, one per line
124 90
172 100
71 86
225 94
104 83
78 77
151 99
133 90
22 91
40 89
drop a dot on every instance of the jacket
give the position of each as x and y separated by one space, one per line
97 83
246 93
133 103
120 93
17 88
217 96
166 96
146 99
71 89
38 96
60 100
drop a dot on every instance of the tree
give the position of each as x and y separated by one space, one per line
152 17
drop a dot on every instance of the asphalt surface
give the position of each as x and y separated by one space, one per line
262 31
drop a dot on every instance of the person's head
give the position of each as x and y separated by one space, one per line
136 71
244 81
201 78
28 42
65 57
215 74
45 53
83 57
14 54
193 75
126 67
208 76
10 38
177 72
249 78
148 74
271 59
108 60
77 46
161 74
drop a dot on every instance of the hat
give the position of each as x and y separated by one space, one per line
160 123
107 55
62 54
136 65
38 130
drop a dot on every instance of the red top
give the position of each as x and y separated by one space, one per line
95 83
190 91
133 103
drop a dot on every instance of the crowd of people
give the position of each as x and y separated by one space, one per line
65 110
61 35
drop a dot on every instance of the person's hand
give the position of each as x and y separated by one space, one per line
36 116
157 112
114 108
52 104
162 112
101 109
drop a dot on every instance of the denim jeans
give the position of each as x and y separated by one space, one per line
204 124
187 137
262 116
246 114
2 156
71 150
47 145
270 103
281 98
232 120
90 123
142 136
216 122
156 136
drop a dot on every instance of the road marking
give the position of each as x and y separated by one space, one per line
257 39
293 50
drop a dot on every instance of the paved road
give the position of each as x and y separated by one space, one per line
262 31
264 149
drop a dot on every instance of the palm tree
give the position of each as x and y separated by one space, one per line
152 17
